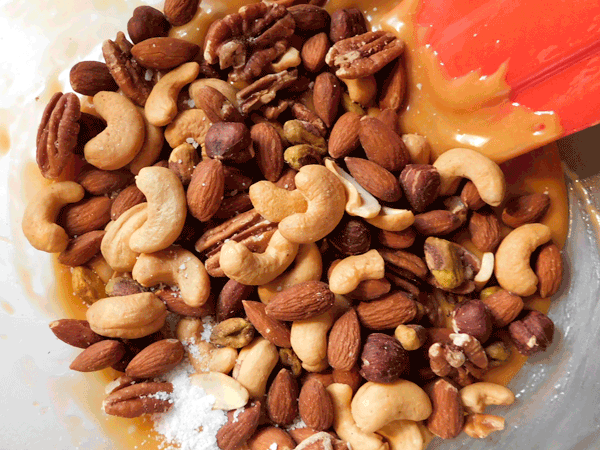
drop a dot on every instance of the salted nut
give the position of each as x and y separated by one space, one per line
444 262
477 396
346 275
151 148
228 393
275 203
482 171
513 269
391 219
254 366
235 332
115 243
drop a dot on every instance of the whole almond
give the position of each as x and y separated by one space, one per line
549 270
313 52
127 198
301 301
239 428
180 12
504 307
205 191
421 185
75 332
81 249
156 359
269 150
147 22
370 289
229 301
315 405
390 118
272 330
387 312
485 231
101 182
327 93
344 341
217 107
344 135
447 417
85 216
397 239
269 438
470 196
525 209
394 87
436 223
382 145
99 356
91 77
375 179
383 360
139 399
163 53
282 399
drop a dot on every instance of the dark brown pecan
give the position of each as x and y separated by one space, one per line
264 90
139 399
404 263
309 18
57 134
129 75
364 55
301 112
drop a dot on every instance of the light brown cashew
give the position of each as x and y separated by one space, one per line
477 396
151 148
359 202
406 435
390 219
174 266
326 201
362 90
228 393
513 269
349 272
255 363
308 266
344 425
99 265
418 148
161 106
375 404
486 271
123 137
275 203
255 269
309 338
38 223
115 243
220 85
482 171
167 209
189 126
480 426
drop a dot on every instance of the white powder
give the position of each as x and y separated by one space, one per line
237 413
298 423
273 446
209 323
191 424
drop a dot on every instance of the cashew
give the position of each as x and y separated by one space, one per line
362 90
375 405
359 202
405 435
390 219
513 269
344 425
151 148
115 243
275 203
418 148
220 85
477 396
309 338
128 317
189 126
485 272
482 171
167 209
291 58
161 106
308 266
228 393
175 266
480 426
99 265
255 269
254 365
319 367
39 225
326 200
223 359
123 137
349 272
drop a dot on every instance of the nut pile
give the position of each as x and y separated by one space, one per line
261 177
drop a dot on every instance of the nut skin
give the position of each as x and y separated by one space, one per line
525 209
269 328
147 22
549 270
447 417
91 77
383 359
326 97
127 198
238 430
387 312
235 332
313 52
344 341
85 216
351 237
229 301
180 12
137 399
228 141
421 185
382 145
309 18
75 332
205 191
532 334
473 318
315 405
269 150
81 249
282 398
301 301
470 196
344 138
438 222
98 356
485 231
156 359
504 306
375 179
101 182
397 239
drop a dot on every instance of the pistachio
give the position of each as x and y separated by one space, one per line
87 285
300 132
301 155
120 286
497 353
288 358
235 332
487 292
444 262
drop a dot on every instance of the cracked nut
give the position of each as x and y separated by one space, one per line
235 332
532 334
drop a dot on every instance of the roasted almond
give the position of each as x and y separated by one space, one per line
163 53
350 377
75 332
101 182
421 185
485 231
387 312
282 399
383 360
470 196
239 428
217 107
269 150
205 192
344 341
99 356
549 270
91 77
81 249
301 301
447 417
85 216
525 209
344 135
156 359
375 179
436 223
315 405
139 399
271 437
327 93
370 289
180 12
127 198
394 87
382 145
397 239
504 307
313 52
269 328
229 301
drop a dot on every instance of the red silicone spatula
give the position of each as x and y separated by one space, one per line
553 49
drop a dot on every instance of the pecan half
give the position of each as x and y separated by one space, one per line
364 55
57 134
264 90
139 399
129 75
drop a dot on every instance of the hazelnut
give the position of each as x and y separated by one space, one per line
351 237
121 286
383 359
228 141
504 306
421 185
473 318
532 334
